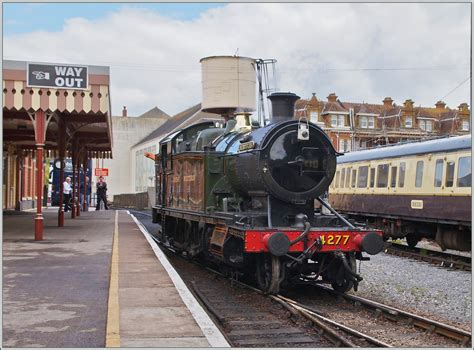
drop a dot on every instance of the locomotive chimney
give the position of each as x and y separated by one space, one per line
283 106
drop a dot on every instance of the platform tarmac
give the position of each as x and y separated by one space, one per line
95 282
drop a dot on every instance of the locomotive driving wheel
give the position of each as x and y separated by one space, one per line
344 281
269 273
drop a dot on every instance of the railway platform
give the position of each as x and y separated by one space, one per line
96 282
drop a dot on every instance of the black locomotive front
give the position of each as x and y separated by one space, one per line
244 196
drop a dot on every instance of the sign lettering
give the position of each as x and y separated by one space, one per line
61 76
101 171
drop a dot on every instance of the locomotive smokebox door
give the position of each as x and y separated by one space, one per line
303 130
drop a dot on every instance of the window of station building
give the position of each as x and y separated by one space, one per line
363 175
333 120
401 175
408 122
393 177
343 173
438 178
363 122
348 176
372 177
382 175
465 125
354 177
419 174
450 173
371 122
464 172
336 183
313 115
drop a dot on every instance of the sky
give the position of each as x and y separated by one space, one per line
362 52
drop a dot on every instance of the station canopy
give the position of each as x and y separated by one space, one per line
75 100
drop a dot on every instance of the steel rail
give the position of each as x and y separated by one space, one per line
464 337
346 329
442 259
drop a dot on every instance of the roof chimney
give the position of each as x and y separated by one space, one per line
332 97
124 111
440 105
463 107
388 102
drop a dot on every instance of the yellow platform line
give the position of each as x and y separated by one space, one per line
113 315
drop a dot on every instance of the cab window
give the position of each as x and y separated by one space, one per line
362 178
419 174
464 172
438 178
401 175
450 173
382 175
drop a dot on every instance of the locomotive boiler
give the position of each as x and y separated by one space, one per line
243 198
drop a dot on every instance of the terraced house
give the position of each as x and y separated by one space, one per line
353 126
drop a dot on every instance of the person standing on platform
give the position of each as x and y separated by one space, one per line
101 192
87 197
67 189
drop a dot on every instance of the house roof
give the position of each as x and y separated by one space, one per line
155 112
180 120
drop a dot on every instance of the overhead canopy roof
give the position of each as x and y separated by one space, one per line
86 112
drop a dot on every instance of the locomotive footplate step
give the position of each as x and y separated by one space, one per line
151 307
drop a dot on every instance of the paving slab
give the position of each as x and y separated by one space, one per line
55 291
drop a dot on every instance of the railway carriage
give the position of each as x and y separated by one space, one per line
243 197
415 190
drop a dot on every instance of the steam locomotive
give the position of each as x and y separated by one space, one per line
244 197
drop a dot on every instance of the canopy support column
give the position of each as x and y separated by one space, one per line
61 153
40 124
19 185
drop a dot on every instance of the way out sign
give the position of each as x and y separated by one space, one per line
59 76
101 171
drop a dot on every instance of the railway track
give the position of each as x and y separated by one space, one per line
249 318
434 257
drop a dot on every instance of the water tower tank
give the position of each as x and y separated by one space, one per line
228 84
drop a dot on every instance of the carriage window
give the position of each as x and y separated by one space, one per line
372 177
354 177
450 173
419 173
382 175
438 173
401 175
362 179
343 175
337 179
464 172
348 176
393 177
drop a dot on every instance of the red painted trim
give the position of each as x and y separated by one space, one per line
255 240
98 79
78 101
9 84
26 99
14 74
95 103
61 100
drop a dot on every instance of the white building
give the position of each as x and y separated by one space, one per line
127 131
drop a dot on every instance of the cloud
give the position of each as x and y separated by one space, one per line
154 59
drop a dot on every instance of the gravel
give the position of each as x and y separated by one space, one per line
416 286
